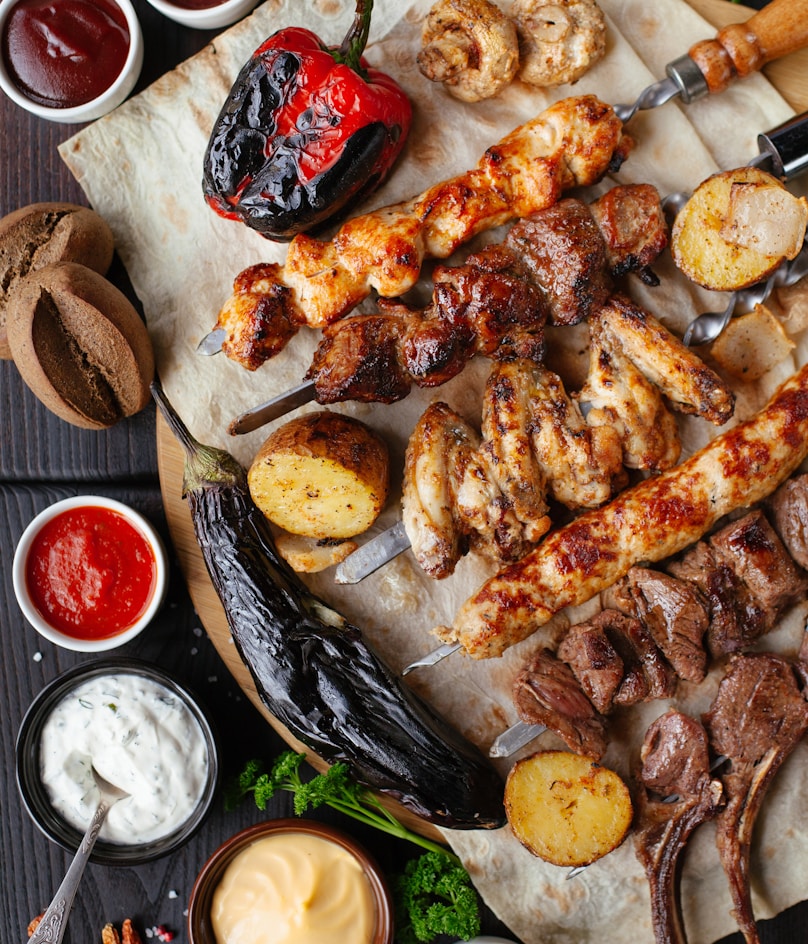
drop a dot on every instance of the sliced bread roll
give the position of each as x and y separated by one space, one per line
41 234
80 345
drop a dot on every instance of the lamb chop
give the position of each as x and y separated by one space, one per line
677 795
758 717
547 693
748 579
674 612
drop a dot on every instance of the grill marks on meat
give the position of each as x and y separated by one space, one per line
674 764
748 579
758 717
572 143
672 610
650 521
537 444
566 253
495 304
616 661
451 500
546 692
489 305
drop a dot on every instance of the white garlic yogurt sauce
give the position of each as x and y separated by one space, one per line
141 737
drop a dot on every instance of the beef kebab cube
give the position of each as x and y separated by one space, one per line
672 610
633 225
789 511
758 717
748 579
546 692
616 661
677 794
566 253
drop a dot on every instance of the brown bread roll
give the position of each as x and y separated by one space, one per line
41 234
80 345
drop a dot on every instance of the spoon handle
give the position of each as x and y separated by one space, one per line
51 928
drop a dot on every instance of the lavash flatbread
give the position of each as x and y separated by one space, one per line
141 169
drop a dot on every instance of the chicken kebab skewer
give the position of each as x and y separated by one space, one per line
650 521
573 143
558 266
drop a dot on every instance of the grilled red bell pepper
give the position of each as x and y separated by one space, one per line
306 132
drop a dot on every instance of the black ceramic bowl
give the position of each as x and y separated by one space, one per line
35 796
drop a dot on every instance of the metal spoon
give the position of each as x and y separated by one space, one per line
51 928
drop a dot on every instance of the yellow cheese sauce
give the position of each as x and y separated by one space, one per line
293 888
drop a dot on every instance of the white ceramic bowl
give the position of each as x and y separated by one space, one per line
216 17
111 98
38 620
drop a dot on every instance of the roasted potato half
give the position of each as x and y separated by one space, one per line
737 228
566 808
322 475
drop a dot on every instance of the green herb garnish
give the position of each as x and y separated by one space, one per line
434 895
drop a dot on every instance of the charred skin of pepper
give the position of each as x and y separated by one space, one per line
314 671
302 138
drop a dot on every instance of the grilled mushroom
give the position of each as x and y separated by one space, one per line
559 40
470 46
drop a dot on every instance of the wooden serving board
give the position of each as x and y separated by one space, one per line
789 76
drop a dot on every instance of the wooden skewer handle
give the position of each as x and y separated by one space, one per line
778 29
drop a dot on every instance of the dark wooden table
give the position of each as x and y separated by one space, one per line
43 459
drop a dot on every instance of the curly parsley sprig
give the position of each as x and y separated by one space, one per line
434 895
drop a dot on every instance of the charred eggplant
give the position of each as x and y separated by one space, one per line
314 671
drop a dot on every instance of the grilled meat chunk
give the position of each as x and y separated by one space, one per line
747 578
566 253
616 661
672 610
677 795
633 225
450 498
758 717
651 521
789 513
546 692
688 383
621 399
594 660
572 143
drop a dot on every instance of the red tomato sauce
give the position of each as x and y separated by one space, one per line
196 4
90 573
63 53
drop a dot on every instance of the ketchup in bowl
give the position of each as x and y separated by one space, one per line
65 53
89 573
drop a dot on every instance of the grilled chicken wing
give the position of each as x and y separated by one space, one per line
688 383
582 465
622 400
648 522
572 143
450 499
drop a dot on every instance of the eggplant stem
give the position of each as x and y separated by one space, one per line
205 466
